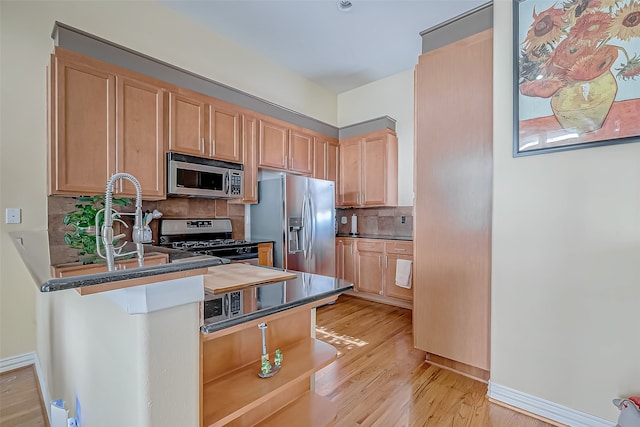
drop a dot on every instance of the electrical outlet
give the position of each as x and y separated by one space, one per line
343 220
403 219
13 215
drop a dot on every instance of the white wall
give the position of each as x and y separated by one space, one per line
566 262
126 370
391 97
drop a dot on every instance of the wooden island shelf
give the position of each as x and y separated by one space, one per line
233 394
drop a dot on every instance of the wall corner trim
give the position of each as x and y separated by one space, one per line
26 359
457 28
544 408
372 125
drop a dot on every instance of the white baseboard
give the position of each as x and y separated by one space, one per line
545 408
22 360
19 361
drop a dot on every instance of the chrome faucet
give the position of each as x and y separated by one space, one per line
106 231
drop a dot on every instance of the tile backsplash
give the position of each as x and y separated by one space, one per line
371 221
58 206
378 221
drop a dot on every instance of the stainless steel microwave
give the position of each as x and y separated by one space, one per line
189 176
222 307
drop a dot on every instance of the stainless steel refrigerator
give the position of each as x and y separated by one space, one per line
298 214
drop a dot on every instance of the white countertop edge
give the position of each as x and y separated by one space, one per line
159 296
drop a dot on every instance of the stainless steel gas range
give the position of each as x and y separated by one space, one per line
207 236
210 236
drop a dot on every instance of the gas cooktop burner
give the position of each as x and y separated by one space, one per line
206 236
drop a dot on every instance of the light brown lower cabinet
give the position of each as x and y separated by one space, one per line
231 391
395 251
79 269
370 264
265 254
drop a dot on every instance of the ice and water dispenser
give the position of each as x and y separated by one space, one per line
295 235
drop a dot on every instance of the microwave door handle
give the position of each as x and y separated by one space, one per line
227 182
226 305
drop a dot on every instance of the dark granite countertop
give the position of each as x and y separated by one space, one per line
34 248
276 297
371 236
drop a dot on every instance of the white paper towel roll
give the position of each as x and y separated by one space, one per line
354 224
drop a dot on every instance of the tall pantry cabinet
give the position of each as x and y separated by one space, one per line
453 181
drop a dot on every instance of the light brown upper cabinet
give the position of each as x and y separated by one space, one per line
140 136
273 145
187 115
203 126
281 147
325 159
250 148
369 170
350 172
300 152
224 132
103 121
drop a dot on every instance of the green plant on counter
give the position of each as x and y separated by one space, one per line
83 219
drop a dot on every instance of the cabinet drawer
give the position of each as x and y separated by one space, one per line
370 246
401 248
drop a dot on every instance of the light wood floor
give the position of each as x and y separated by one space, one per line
379 379
20 402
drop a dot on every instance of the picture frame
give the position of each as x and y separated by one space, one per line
576 74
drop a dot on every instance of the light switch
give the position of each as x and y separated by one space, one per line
13 216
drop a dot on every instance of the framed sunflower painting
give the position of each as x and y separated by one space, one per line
577 72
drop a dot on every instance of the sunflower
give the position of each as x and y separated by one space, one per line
569 51
592 27
575 8
592 66
608 4
626 22
547 28
630 70
543 88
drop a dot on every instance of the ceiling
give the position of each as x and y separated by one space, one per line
337 50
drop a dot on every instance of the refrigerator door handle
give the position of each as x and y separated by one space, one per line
304 225
312 225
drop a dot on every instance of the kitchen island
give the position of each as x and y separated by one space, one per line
230 351
139 355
